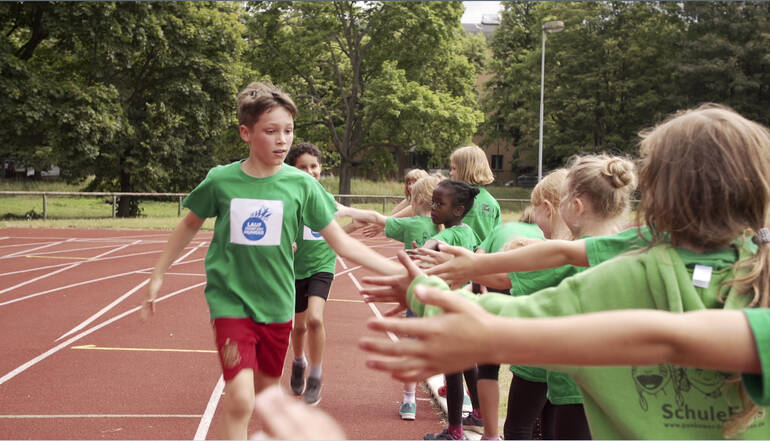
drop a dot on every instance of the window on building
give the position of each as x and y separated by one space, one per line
497 162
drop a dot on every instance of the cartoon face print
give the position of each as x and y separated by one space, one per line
650 380
707 381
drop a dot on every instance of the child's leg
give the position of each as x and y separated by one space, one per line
570 422
298 334
525 402
298 337
489 398
454 399
316 330
238 405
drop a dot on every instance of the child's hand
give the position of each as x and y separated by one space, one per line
283 417
392 288
431 258
372 230
451 342
459 269
148 305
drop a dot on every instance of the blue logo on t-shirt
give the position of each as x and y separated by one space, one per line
254 227
316 235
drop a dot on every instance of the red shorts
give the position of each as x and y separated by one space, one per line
243 343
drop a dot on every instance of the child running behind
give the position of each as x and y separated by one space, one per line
314 263
411 231
259 204
699 258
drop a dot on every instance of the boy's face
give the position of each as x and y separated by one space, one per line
309 164
443 208
270 137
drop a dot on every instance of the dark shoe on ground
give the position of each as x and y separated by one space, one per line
442 435
473 423
313 391
297 378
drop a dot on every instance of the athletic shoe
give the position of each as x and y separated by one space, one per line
408 411
297 378
471 422
313 391
442 435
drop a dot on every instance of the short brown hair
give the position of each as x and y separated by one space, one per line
257 98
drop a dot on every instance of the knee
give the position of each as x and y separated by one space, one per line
315 322
300 327
239 403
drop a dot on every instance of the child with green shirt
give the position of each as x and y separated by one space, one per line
314 264
259 204
698 259
469 164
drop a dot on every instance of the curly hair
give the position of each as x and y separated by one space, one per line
302 148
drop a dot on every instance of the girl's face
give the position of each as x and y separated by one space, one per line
453 170
309 164
569 209
409 185
443 209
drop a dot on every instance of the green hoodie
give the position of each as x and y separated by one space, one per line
639 402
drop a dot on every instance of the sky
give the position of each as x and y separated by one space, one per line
475 9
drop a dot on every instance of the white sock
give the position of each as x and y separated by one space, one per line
408 397
315 372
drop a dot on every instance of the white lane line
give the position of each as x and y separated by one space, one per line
48 253
347 270
372 306
104 310
149 271
120 415
11 245
77 337
112 276
49 244
211 408
72 265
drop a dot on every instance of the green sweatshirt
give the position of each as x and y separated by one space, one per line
758 385
640 402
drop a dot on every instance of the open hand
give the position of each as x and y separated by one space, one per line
284 417
391 288
148 304
456 271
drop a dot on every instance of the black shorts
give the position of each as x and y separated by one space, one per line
316 285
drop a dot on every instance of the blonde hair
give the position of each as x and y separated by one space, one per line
548 188
704 180
607 181
422 190
472 165
412 175
257 98
528 215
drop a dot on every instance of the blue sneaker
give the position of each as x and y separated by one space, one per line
408 411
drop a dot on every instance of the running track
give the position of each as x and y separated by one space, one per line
77 363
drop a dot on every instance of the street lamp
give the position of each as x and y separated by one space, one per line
550 27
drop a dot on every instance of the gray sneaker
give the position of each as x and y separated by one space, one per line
297 378
313 391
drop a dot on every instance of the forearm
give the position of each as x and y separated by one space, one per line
366 216
400 206
496 281
351 248
539 256
180 237
404 212
630 337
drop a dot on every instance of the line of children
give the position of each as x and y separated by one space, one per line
403 208
413 232
259 204
314 264
698 258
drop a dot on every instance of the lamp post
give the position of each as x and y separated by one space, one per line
550 27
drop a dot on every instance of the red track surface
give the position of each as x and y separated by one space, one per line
77 363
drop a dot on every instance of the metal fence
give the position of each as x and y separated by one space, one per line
511 204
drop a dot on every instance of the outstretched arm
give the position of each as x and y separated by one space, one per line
367 216
466 335
351 248
538 256
182 235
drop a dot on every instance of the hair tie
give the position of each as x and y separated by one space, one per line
762 236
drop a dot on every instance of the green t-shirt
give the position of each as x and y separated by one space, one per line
250 264
506 232
313 254
484 216
641 402
460 236
601 248
408 229
758 385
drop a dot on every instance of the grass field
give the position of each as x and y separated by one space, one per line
96 211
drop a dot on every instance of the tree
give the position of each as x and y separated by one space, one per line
137 94
371 77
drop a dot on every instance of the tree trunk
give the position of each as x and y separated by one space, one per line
128 206
346 174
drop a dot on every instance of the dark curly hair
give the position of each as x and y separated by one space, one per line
302 148
462 193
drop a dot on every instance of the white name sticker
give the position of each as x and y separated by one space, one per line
309 234
256 222
701 276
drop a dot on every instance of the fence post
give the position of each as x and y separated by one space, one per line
45 206
114 206
383 204
179 207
